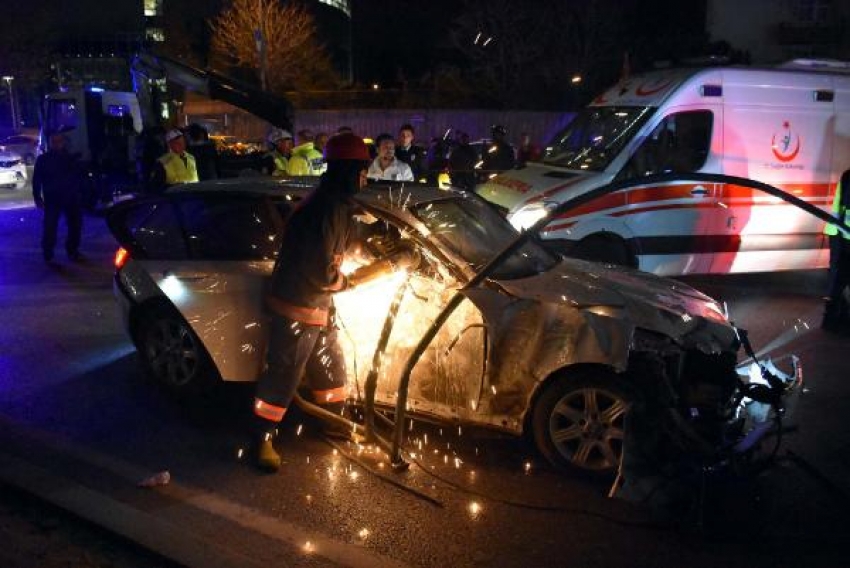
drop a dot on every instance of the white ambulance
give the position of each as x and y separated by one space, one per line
787 126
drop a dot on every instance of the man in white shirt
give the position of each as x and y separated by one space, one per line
386 166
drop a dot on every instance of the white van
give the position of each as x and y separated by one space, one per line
787 126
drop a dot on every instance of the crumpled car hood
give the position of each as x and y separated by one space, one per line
642 299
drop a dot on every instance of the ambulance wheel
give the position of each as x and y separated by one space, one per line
578 421
173 355
604 247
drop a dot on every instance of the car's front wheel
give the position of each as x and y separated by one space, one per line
172 354
578 421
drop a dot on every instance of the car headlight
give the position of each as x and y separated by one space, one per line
530 214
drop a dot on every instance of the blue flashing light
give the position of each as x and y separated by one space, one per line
96 89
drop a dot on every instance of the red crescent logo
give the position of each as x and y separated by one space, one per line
788 157
642 91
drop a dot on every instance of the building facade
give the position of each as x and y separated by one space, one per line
773 31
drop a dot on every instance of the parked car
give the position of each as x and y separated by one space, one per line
553 348
13 172
23 144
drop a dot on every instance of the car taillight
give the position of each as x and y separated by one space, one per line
121 257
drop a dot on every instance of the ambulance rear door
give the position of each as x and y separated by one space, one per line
778 129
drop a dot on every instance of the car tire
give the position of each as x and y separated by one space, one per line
578 421
173 355
604 247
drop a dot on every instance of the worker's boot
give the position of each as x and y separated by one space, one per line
267 458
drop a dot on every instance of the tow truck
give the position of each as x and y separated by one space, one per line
105 127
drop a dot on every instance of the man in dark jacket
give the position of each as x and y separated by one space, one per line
57 189
204 151
499 155
307 272
410 153
462 162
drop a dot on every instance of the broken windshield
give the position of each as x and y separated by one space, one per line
595 137
476 232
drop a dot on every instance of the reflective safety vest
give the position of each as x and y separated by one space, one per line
298 166
280 163
841 212
177 170
315 160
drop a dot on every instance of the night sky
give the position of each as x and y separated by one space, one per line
390 36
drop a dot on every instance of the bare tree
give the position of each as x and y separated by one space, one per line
276 40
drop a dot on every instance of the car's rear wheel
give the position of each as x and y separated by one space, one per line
578 421
172 354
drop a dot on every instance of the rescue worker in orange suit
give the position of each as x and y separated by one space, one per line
835 316
307 273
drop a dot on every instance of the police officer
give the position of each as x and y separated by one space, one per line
281 160
175 166
410 153
313 157
835 316
499 155
57 189
307 273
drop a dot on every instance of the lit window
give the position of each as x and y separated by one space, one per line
155 34
153 7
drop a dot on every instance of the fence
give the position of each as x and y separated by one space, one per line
221 118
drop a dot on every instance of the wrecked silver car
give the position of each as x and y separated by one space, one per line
553 348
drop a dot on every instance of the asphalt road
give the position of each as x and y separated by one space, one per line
81 426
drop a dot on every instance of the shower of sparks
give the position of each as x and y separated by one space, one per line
309 547
298 430
363 534
474 508
527 467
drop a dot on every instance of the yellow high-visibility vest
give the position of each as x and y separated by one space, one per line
178 171
840 213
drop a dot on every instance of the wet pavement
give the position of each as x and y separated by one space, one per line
78 415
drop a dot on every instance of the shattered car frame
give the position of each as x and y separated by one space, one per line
490 329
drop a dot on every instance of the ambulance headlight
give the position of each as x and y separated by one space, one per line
530 214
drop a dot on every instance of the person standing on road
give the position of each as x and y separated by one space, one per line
462 162
313 158
499 156
386 166
835 316
175 166
307 273
57 190
204 151
410 153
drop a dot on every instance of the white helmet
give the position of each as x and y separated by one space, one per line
278 134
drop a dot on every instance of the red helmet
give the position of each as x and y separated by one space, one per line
346 146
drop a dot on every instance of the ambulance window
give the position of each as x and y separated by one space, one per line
679 144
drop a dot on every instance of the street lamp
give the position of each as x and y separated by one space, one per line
13 113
